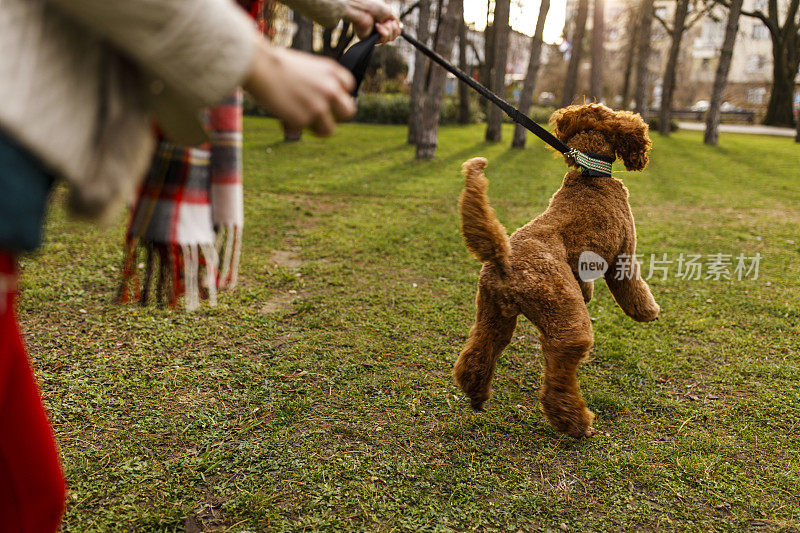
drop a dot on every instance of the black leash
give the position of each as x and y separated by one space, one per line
357 57
515 114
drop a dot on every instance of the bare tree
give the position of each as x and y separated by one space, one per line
643 57
447 30
464 115
711 135
633 29
488 47
529 84
497 82
668 83
598 36
418 80
680 24
571 81
303 38
785 57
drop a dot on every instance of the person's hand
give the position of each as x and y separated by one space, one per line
366 14
301 89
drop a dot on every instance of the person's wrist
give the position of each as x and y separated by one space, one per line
265 60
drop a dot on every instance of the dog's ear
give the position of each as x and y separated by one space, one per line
631 141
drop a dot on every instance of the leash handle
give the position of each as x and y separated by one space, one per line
356 59
515 114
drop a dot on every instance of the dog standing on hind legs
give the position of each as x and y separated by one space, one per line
535 271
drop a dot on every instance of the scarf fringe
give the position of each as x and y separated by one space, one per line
193 271
179 270
231 253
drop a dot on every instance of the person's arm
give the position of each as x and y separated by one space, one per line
327 13
205 48
201 48
364 14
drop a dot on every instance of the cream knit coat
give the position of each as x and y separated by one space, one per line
82 80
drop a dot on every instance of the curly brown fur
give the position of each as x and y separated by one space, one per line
535 271
596 128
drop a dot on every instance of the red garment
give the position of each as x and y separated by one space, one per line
32 486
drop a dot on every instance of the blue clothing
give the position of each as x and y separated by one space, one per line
24 190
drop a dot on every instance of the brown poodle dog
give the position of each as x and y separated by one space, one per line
536 272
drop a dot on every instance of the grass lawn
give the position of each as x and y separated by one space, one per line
319 395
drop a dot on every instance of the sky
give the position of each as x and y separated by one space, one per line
523 17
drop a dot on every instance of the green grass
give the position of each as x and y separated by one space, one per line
332 407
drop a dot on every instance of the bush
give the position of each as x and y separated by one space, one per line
655 124
396 109
383 109
541 114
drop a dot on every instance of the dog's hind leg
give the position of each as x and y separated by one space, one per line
491 333
566 336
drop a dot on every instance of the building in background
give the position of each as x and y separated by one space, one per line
750 77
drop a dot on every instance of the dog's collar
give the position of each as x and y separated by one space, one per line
592 165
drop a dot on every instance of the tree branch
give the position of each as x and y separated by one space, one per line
773 29
663 23
477 54
709 6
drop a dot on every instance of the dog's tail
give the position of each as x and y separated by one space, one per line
485 237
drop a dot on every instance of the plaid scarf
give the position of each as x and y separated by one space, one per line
188 217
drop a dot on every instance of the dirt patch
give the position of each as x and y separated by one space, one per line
286 259
313 208
318 203
280 302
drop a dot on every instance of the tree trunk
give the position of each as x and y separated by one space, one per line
634 27
488 50
598 36
571 82
779 108
447 31
420 73
303 39
797 135
528 86
711 135
643 53
464 115
494 121
668 83
785 58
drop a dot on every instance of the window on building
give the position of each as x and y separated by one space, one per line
712 33
760 5
759 31
756 96
756 63
706 64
